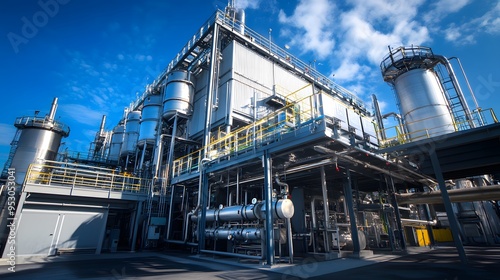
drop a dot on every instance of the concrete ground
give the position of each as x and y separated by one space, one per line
416 263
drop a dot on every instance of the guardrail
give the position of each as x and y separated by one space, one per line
53 173
45 123
397 136
264 131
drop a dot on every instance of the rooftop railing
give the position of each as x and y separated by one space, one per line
53 173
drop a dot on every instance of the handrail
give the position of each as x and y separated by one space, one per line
268 129
401 138
52 173
42 122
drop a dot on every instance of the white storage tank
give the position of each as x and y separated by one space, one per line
39 140
131 136
116 142
423 104
149 119
178 95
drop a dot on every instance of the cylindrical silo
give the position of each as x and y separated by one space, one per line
116 142
132 127
149 120
39 140
178 96
423 103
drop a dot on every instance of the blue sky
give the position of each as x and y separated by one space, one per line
97 56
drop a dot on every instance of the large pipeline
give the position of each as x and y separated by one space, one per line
483 193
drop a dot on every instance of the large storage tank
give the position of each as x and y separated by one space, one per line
39 140
149 119
131 133
178 97
423 104
116 142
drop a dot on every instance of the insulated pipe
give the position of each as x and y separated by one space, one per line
326 210
483 193
268 193
418 222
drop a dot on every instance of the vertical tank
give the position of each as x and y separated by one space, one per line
422 100
39 140
149 119
116 142
131 133
423 104
178 95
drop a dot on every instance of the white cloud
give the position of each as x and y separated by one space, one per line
366 30
247 4
82 114
437 10
466 32
312 23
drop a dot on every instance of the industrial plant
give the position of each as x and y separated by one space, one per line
239 149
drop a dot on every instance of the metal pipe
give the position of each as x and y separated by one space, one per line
103 122
290 239
481 121
326 210
282 184
378 117
171 208
53 109
232 254
170 158
237 186
268 192
483 193
420 222
313 213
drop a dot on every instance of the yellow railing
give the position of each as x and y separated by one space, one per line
395 136
294 114
55 173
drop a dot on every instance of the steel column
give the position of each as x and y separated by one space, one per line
447 205
352 214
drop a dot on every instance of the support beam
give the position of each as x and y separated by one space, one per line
352 214
395 205
447 205
138 213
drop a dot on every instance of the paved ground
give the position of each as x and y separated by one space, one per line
418 263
